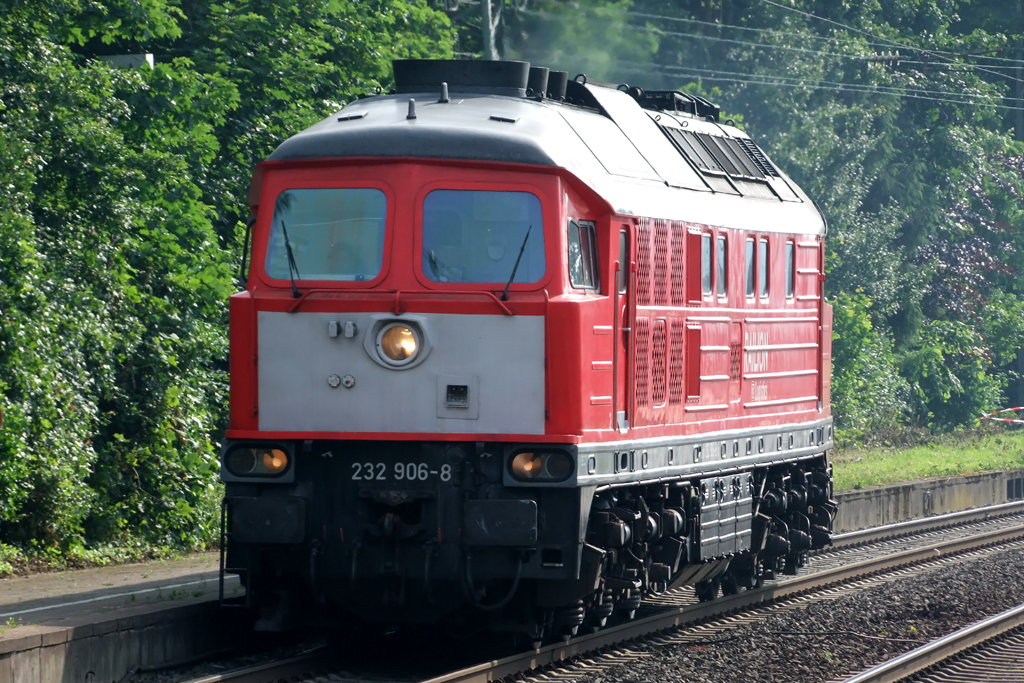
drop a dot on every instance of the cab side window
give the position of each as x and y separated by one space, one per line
582 255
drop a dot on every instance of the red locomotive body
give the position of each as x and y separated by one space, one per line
514 351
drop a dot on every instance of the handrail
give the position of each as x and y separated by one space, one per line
398 297
501 304
298 302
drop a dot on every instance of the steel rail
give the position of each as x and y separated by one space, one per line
307 664
937 651
679 616
926 523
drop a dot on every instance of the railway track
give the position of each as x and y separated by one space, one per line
858 561
305 666
990 650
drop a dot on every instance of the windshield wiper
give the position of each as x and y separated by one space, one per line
293 268
504 295
436 267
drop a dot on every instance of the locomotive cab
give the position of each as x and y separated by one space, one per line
472 382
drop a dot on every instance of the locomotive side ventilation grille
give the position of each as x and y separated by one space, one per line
658 364
675 358
659 377
678 259
661 254
643 264
643 362
659 369
660 259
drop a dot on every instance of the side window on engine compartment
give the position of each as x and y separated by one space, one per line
582 255
705 264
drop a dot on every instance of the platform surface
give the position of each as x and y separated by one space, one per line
58 598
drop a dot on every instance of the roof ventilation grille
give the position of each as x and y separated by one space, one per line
758 157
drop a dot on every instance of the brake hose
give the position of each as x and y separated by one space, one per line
471 592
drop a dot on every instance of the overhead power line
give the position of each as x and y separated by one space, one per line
814 85
734 27
683 34
962 98
892 43
884 44
844 43
767 46
902 91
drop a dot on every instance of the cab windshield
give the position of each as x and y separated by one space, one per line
475 236
334 234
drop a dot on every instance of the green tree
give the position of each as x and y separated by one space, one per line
120 209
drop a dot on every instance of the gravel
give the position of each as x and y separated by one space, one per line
858 631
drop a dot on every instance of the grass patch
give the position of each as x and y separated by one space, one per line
16 561
950 455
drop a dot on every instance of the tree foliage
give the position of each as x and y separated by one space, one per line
120 213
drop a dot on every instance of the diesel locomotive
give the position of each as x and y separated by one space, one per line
517 351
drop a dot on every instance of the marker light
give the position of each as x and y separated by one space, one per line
397 344
275 460
542 466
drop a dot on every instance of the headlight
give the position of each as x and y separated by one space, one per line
241 461
397 344
256 462
542 466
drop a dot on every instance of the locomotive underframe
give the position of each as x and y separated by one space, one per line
403 532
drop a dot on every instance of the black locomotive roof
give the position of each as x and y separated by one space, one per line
457 130
663 164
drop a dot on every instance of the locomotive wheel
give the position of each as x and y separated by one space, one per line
707 590
746 575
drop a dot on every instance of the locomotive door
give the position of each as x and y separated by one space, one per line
622 333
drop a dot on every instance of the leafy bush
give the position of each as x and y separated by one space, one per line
950 372
121 207
868 394
116 310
